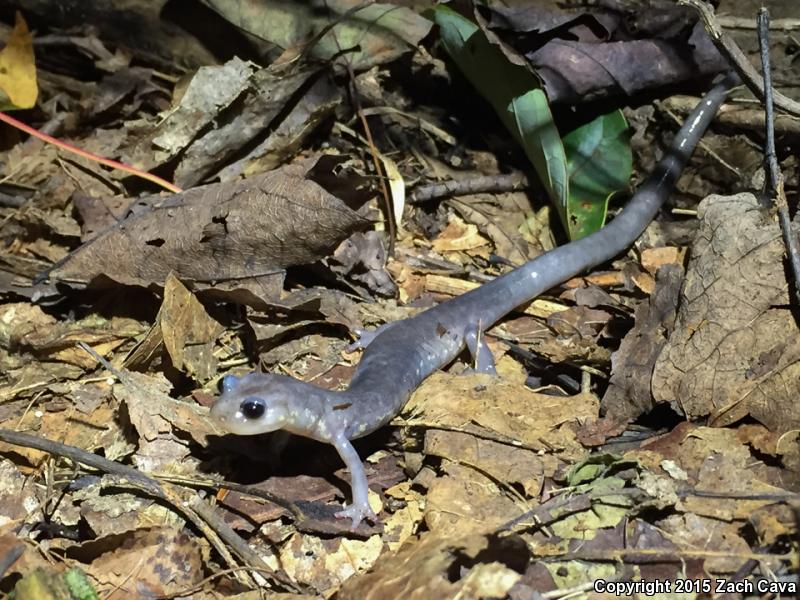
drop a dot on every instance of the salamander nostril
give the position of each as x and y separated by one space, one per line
253 408
228 383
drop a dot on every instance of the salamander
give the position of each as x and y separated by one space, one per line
400 355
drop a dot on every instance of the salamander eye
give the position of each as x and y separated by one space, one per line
253 408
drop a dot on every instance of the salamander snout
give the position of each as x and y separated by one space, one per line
249 415
252 404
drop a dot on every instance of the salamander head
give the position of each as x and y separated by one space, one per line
254 403
262 402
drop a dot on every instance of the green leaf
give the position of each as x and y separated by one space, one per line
580 174
599 164
599 476
80 587
516 96
596 466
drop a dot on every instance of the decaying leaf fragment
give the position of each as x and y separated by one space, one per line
493 436
734 350
594 54
375 33
628 394
230 236
497 409
474 566
235 113
151 562
185 330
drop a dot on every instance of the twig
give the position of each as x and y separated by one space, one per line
129 477
124 472
10 557
787 497
379 170
556 508
215 529
244 489
737 57
775 175
740 116
354 97
745 23
121 376
474 185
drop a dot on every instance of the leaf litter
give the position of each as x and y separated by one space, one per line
643 426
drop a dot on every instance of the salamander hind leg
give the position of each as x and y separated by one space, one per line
365 337
476 344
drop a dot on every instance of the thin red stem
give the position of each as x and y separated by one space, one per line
88 155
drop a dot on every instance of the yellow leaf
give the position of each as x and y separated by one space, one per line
18 69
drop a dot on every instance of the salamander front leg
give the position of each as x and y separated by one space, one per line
481 355
360 508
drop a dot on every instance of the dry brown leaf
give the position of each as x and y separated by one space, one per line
400 525
20 319
231 109
32 377
28 329
643 281
504 464
232 236
654 258
163 424
716 461
442 567
733 318
185 330
95 431
628 394
459 236
30 558
383 32
695 533
495 409
773 523
501 217
719 462
361 258
464 500
491 432
326 563
121 512
17 497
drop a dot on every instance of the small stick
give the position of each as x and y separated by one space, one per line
128 477
215 530
775 175
473 185
737 57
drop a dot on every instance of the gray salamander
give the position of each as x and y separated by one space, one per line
402 354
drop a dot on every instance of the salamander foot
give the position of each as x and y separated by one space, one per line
365 337
357 513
